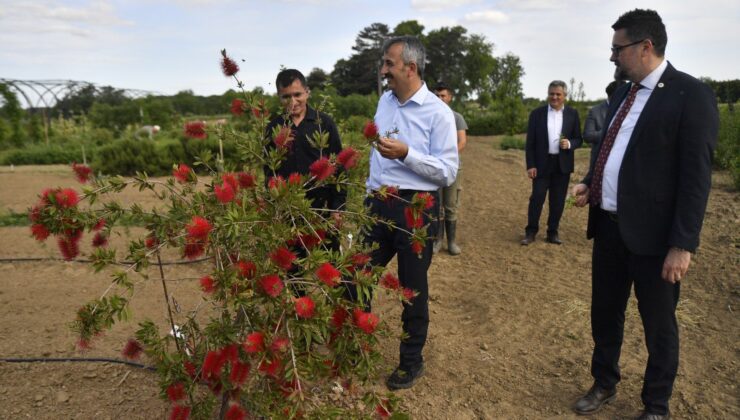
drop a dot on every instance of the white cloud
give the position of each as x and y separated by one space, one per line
436 5
487 16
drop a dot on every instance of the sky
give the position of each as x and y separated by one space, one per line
167 46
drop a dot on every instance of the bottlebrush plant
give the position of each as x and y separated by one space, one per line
277 333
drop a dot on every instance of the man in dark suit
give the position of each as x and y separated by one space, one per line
553 133
647 187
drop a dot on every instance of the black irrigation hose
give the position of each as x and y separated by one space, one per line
77 359
33 259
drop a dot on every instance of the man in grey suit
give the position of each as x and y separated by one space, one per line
596 116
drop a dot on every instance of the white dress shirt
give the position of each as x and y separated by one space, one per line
427 126
614 161
554 129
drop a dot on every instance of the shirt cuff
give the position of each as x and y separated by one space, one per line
412 158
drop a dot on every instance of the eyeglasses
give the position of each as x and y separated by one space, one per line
617 48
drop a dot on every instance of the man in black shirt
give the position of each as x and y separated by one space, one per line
294 130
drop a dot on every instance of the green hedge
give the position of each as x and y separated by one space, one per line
513 142
727 155
42 155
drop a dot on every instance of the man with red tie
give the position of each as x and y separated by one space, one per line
647 190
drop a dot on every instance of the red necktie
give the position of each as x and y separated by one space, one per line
606 146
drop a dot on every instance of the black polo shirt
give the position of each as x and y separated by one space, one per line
301 154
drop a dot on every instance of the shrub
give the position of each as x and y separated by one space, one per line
43 155
512 142
727 154
126 157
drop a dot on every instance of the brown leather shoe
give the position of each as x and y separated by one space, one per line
651 416
594 399
528 239
554 239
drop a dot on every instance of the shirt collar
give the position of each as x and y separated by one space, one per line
652 79
311 114
551 109
419 96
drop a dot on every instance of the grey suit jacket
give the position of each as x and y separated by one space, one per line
595 123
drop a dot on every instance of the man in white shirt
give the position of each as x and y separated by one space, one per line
647 188
416 153
553 132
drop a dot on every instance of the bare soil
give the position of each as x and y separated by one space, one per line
509 335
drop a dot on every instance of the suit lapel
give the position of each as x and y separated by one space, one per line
653 104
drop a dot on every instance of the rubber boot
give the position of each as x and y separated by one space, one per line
440 237
452 247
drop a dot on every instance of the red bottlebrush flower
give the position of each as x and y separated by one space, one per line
246 180
284 138
69 247
348 158
408 293
82 172
193 249
151 242
247 269
412 220
310 240
370 131
271 366
283 258
271 285
382 409
360 259
365 321
295 179
230 178
35 214
236 412
237 107
390 281
230 353
99 240
338 317
304 307
199 228
132 350
254 343
212 365
176 391
322 169
276 182
67 198
189 368
417 247
196 129
207 284
280 345
99 225
239 373
328 274
427 198
182 173
180 412
225 193
228 65
40 232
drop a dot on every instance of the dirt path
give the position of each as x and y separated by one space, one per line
509 335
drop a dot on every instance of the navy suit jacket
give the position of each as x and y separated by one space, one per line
538 142
665 177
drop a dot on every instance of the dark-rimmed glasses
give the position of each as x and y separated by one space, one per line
617 48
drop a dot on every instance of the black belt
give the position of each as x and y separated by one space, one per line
610 215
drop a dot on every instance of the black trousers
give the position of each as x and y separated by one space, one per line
554 180
615 269
412 268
